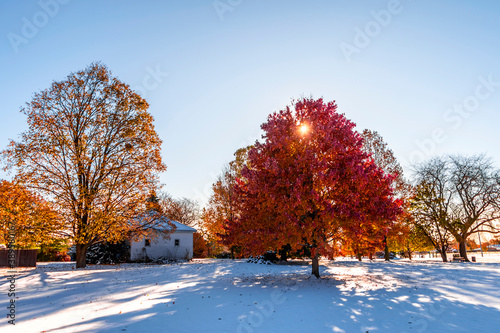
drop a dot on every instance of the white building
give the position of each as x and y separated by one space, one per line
179 245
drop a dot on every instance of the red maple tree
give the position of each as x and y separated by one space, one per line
309 183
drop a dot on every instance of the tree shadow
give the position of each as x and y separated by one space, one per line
220 296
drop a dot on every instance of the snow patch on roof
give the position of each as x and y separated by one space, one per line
166 224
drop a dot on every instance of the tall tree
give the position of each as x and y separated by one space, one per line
431 203
383 156
92 149
477 198
33 220
309 184
222 205
430 209
461 194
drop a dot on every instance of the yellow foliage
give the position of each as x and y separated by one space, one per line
33 221
91 149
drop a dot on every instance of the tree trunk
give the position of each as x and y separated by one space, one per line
359 256
443 254
81 255
463 250
386 249
315 265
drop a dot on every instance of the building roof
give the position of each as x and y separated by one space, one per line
179 226
166 225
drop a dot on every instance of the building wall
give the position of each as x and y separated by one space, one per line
160 247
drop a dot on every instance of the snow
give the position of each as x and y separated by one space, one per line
163 223
209 295
179 226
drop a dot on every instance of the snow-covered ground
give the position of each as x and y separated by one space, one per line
235 296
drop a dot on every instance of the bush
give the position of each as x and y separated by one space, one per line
167 261
270 256
53 251
381 255
259 260
107 253
286 252
223 255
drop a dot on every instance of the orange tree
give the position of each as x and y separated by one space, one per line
309 183
222 205
32 219
406 237
91 148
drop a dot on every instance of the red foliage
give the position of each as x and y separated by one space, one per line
200 249
310 183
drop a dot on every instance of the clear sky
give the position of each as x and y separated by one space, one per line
424 74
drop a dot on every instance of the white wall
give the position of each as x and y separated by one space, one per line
164 248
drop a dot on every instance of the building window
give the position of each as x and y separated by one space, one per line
177 242
147 242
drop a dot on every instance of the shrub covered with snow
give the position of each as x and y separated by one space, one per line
167 261
259 260
107 253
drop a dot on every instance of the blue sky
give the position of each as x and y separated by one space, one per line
424 74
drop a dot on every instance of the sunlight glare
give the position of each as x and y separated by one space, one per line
303 129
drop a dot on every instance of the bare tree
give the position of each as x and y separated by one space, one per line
431 204
184 210
459 195
476 198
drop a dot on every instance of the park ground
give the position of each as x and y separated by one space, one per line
209 295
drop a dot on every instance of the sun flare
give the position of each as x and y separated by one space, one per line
303 129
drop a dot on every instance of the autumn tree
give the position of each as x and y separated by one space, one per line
211 228
406 236
463 193
90 148
495 240
383 156
200 249
34 219
222 205
367 239
309 183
